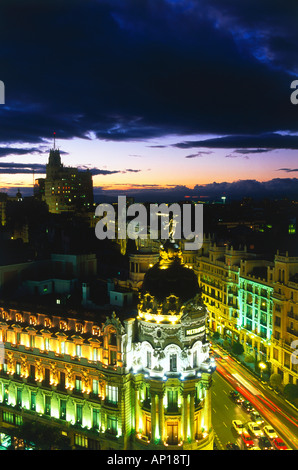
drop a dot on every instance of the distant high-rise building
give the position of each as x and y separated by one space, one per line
66 188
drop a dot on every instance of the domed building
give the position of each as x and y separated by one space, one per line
113 383
171 363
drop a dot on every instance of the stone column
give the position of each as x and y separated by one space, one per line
137 410
161 415
192 414
185 416
153 415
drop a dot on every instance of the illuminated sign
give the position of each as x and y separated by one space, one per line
194 331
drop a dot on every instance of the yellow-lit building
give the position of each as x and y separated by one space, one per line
106 383
66 188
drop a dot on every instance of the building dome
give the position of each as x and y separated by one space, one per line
170 276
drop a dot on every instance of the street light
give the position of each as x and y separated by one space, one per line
262 366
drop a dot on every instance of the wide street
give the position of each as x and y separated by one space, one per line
230 375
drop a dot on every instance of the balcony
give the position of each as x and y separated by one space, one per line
292 315
146 405
292 331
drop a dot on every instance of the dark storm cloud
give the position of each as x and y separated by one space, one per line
268 140
6 151
25 168
120 69
21 168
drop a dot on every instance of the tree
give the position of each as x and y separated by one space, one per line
249 359
237 349
275 380
42 437
216 336
291 392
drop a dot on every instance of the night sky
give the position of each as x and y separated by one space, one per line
181 96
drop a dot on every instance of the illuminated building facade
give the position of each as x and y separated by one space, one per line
255 319
285 318
253 301
171 358
139 383
66 188
218 274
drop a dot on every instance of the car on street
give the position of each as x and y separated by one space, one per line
255 429
236 397
247 406
256 417
270 432
246 439
238 425
265 444
279 444
232 446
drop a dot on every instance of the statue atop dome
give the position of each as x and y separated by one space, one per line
170 277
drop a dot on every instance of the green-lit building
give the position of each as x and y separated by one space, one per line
105 383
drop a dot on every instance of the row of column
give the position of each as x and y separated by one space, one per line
158 430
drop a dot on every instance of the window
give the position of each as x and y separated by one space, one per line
18 338
113 339
62 347
47 376
5 394
95 354
113 357
78 386
79 414
112 425
12 418
172 400
19 397
63 325
78 350
47 344
47 405
173 362
81 441
32 341
62 409
277 321
95 418
33 401
111 394
18 368
62 380
96 330
32 372
148 427
32 320
95 386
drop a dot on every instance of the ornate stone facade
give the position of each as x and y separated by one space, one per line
139 383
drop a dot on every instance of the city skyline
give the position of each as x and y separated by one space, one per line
163 95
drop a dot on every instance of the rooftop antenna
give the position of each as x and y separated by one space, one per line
54 140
